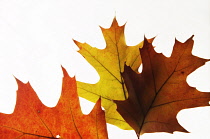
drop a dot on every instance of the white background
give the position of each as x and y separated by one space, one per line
36 38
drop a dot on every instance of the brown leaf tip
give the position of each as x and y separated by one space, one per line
114 22
146 42
149 40
189 39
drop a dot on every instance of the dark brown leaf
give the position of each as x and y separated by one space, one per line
161 91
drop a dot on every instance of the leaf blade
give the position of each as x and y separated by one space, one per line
31 119
109 63
161 91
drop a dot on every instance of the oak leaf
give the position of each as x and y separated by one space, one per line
109 63
31 119
158 93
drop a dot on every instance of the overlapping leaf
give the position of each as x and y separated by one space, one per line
31 119
161 91
109 63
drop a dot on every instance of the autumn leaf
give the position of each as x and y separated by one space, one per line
161 91
109 63
31 119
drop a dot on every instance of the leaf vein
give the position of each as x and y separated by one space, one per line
178 101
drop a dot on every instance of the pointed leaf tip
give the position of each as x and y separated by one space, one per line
19 82
99 102
97 106
114 22
146 42
65 73
192 37
149 40
77 43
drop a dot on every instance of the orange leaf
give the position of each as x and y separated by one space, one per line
161 91
31 119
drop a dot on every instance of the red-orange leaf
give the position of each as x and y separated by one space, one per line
161 91
31 119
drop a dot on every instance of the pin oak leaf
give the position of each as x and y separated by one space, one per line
109 63
31 119
158 93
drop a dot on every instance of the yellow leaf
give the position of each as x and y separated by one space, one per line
109 63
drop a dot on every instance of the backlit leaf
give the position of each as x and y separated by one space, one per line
31 119
109 63
161 91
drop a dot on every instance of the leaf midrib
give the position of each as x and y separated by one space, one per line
157 93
